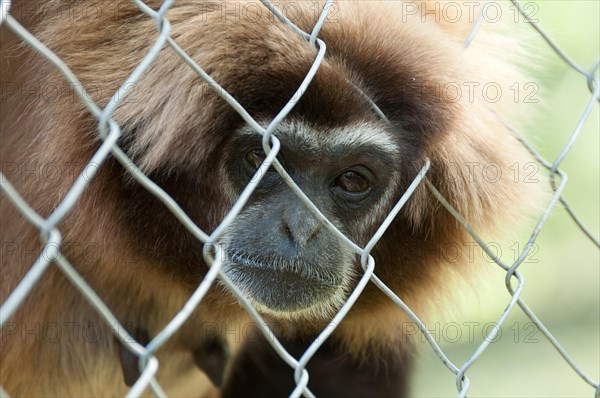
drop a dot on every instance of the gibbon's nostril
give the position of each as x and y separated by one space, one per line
288 231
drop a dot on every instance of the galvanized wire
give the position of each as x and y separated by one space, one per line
109 131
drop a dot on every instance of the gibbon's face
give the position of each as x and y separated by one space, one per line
277 251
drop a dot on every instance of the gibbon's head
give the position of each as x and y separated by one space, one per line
352 164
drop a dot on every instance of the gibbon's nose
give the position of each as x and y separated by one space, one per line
300 225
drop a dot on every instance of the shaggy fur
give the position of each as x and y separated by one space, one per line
139 258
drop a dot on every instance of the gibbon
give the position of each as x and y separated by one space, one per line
354 165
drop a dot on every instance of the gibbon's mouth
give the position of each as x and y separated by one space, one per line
281 285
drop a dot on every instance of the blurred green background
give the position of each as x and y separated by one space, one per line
563 286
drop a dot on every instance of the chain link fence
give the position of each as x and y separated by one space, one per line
110 131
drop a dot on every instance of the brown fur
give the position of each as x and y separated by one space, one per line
135 254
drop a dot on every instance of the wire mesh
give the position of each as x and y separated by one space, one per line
110 132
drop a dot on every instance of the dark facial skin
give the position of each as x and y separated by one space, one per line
278 252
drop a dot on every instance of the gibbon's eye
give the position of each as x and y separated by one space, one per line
255 158
353 182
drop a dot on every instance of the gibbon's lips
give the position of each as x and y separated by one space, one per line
282 285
